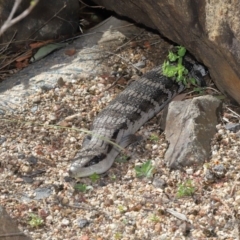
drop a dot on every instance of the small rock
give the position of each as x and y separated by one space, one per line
233 127
159 183
46 87
21 156
67 179
65 201
189 171
154 147
108 202
42 193
52 117
27 179
2 140
34 109
32 160
73 139
65 222
141 64
60 82
83 222
158 227
219 170
209 177
36 99
26 169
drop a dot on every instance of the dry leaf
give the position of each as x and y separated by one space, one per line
24 56
180 97
39 44
20 65
70 51
147 44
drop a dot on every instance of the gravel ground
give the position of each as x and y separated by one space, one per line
200 202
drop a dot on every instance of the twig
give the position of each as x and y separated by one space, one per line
90 6
8 43
11 21
113 84
11 234
233 112
123 45
14 59
204 88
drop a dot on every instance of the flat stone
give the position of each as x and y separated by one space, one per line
190 126
233 127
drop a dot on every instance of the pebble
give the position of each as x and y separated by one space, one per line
32 160
155 146
189 171
65 222
159 182
2 140
82 222
73 139
36 99
26 169
141 64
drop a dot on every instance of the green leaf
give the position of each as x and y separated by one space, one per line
193 81
47 49
122 159
199 90
153 138
80 187
185 189
172 57
180 78
94 177
181 51
170 71
35 220
144 170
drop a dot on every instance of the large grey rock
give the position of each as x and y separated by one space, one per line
190 126
41 23
9 229
208 29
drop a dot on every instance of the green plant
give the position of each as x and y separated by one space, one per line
122 159
177 70
122 209
113 177
94 177
144 170
154 218
80 187
35 220
117 235
153 138
199 90
185 189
